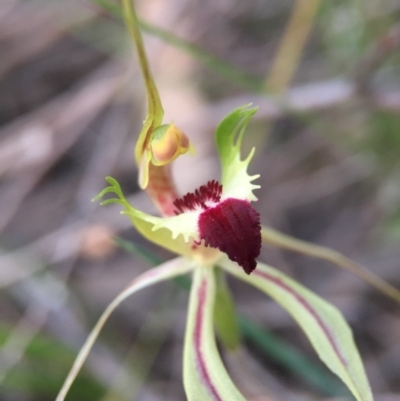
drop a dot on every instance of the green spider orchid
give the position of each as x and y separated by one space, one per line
215 216
214 229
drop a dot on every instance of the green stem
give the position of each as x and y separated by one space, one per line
222 67
155 110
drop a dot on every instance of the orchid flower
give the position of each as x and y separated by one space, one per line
215 229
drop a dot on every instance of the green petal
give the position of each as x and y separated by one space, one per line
204 375
275 238
322 323
229 135
166 271
172 233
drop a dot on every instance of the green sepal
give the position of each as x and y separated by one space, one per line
204 375
321 322
237 183
173 233
168 270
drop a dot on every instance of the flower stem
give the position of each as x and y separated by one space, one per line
155 110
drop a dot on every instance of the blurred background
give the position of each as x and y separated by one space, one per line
325 76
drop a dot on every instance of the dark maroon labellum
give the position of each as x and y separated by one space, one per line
232 226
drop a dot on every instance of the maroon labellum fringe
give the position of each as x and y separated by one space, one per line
232 226
210 192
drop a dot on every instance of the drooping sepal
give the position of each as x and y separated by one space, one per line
204 375
168 270
279 239
236 181
321 322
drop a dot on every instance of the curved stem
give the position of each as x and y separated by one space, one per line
155 111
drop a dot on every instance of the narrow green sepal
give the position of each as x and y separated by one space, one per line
204 375
322 323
